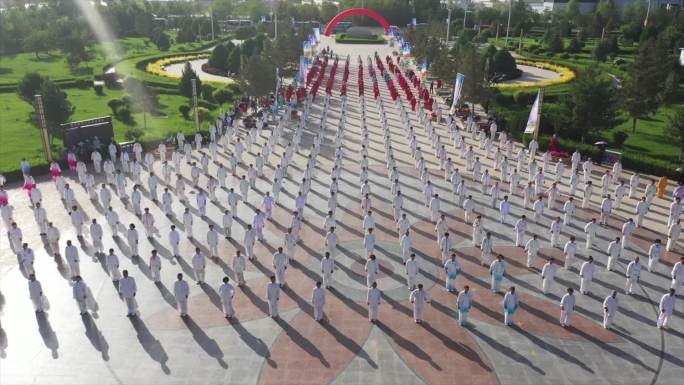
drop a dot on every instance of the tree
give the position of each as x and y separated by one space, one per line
674 129
328 11
643 87
572 10
30 85
223 96
160 39
219 57
234 60
185 85
574 46
503 63
56 106
590 105
222 9
144 23
257 76
555 43
38 41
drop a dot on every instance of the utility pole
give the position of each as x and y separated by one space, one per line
508 25
275 16
211 20
38 105
449 6
193 81
465 15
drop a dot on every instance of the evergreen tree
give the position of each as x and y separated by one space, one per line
185 85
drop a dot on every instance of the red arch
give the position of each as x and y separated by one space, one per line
356 12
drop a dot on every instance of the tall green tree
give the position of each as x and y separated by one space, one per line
185 84
219 57
30 85
590 106
257 77
38 41
642 90
674 129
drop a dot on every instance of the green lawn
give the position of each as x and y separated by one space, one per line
13 68
21 138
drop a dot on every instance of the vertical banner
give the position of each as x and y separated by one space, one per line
317 34
413 22
533 119
303 68
424 68
407 50
458 87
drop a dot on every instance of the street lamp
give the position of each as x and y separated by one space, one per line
508 25
38 105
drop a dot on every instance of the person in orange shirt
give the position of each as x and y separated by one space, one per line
662 184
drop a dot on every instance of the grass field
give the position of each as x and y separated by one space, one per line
21 138
13 68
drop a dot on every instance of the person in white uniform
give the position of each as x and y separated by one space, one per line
497 270
610 308
199 265
666 307
227 293
373 300
318 301
273 296
128 289
677 275
181 291
510 305
155 267
412 270
587 275
567 307
463 303
532 248
327 268
419 298
40 302
548 276
632 274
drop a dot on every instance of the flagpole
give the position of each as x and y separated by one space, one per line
539 111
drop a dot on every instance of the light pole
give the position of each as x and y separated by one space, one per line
465 15
193 82
38 105
449 7
508 25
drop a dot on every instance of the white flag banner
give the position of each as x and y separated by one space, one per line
534 116
458 87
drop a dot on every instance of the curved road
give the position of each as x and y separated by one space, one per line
177 69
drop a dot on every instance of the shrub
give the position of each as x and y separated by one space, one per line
244 32
185 111
124 114
564 55
619 138
134 133
223 96
205 115
205 104
115 104
208 92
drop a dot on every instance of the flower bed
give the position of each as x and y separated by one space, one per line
566 75
157 67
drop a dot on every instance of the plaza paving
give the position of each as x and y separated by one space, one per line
62 347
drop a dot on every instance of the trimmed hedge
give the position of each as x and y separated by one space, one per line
342 38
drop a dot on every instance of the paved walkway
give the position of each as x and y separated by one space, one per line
533 74
159 347
177 70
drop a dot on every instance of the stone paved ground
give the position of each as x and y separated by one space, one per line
62 347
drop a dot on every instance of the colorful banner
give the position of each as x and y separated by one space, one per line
533 119
458 88
407 50
303 68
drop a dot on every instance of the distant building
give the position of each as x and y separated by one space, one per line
585 6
